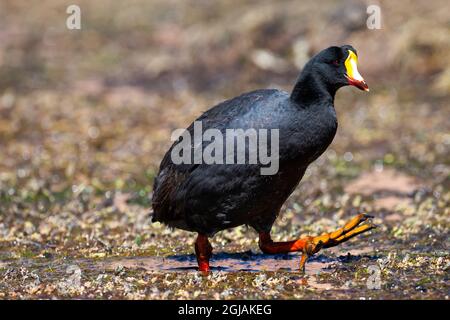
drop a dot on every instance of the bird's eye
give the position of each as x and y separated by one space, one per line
336 62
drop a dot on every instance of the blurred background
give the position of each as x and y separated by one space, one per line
86 116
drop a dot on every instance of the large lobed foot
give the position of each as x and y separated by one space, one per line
311 245
351 229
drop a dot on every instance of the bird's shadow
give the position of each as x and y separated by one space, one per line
242 260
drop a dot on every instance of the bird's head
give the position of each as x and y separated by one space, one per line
337 67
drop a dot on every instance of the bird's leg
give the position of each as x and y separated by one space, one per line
203 251
311 245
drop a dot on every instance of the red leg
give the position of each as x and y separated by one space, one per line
203 250
268 246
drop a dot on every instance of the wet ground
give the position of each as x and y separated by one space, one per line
83 129
405 257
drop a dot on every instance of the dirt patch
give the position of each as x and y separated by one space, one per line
391 202
389 188
386 180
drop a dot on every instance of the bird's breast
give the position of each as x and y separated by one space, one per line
310 137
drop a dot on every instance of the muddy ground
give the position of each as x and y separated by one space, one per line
86 116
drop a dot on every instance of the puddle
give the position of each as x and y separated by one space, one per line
229 262
233 262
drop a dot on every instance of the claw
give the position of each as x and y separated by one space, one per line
303 262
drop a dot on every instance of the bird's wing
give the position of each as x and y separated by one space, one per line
171 176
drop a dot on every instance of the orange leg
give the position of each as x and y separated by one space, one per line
311 245
203 251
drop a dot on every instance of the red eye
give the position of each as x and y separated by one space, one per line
336 62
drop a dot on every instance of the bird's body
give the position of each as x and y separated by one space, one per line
210 197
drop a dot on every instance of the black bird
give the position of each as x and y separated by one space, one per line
210 197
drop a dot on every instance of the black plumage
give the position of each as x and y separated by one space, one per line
207 198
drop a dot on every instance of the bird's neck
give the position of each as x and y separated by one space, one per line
309 88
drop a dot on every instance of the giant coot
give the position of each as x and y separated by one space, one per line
210 197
